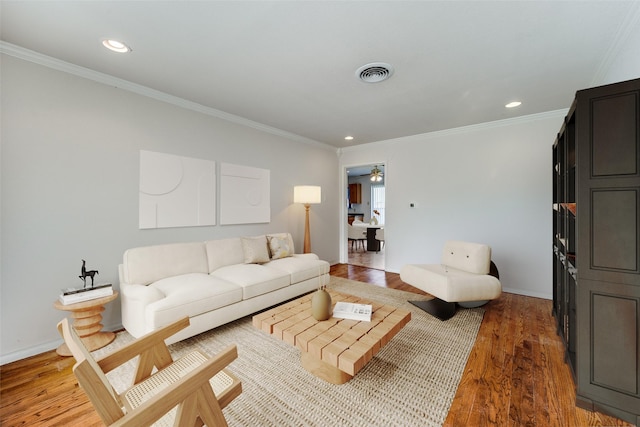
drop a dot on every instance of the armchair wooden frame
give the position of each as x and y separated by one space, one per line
190 391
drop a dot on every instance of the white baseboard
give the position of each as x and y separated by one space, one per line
41 348
28 352
542 295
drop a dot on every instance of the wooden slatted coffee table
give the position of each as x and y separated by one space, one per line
334 349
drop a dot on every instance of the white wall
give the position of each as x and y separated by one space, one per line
70 164
488 184
623 63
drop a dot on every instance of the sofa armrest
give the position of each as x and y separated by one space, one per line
134 299
142 293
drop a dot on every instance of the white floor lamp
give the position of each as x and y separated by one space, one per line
307 195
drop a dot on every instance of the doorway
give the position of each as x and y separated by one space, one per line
364 207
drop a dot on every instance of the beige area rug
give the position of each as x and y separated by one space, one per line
410 382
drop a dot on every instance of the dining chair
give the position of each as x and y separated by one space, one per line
380 238
356 235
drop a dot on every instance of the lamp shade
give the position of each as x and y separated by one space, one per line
307 194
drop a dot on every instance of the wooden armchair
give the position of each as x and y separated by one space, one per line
189 391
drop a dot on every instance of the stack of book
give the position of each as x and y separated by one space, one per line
76 295
349 310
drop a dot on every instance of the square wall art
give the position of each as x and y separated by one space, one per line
244 195
176 191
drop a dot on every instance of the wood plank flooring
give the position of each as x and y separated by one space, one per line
364 258
515 375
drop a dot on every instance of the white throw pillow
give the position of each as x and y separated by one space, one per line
255 250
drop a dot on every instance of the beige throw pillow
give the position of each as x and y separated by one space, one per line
255 250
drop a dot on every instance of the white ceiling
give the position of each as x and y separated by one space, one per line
291 65
355 171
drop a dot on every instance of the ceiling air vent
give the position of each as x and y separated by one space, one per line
375 72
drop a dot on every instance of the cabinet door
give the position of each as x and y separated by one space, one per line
608 202
608 339
355 195
608 252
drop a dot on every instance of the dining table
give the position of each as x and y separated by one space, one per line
373 245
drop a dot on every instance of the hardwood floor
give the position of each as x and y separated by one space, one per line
360 256
515 375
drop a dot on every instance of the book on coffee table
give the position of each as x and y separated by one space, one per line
352 311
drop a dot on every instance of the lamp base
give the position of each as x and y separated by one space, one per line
307 235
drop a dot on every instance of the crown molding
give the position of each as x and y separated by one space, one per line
86 73
628 27
57 64
464 129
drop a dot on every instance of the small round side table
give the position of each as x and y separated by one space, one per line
87 318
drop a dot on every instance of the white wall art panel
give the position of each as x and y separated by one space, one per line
244 195
176 191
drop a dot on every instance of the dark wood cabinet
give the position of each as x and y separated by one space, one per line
596 280
564 232
355 193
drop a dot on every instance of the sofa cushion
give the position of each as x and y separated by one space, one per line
223 252
279 247
466 256
149 264
300 267
254 279
190 295
255 249
451 284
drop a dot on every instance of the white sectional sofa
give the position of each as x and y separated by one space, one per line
212 282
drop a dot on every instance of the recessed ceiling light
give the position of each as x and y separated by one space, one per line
116 46
348 138
513 104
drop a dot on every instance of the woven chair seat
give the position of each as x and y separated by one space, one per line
162 379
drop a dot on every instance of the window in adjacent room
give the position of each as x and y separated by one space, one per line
377 202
